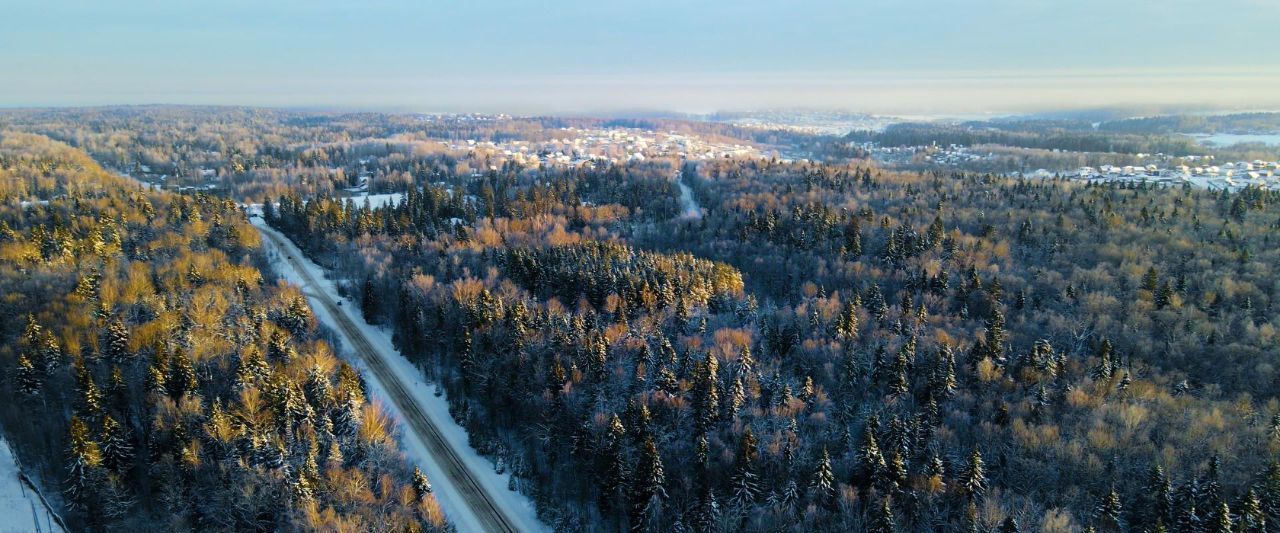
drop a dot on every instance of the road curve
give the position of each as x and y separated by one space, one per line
481 503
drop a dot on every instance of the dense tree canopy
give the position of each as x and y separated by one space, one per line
153 372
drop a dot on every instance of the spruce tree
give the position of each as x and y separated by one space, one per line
117 452
118 391
615 477
824 482
1221 521
1159 496
182 375
871 461
708 392
883 521
1108 512
26 378
994 341
648 492
117 342
973 478
90 398
84 473
1252 518
847 324
421 486
745 481
51 356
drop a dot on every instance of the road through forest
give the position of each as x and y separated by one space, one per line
485 508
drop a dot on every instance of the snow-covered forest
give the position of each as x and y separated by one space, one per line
829 346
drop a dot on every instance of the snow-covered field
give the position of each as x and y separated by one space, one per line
1228 139
518 508
375 200
17 501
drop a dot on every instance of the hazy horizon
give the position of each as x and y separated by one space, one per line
933 56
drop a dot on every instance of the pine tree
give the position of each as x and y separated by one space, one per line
84 473
118 391
935 471
1221 521
708 517
182 375
26 378
421 486
883 521
1150 279
853 238
870 461
648 493
616 474
1009 525
90 398
1108 512
32 334
157 381
947 371
737 397
1211 485
899 383
50 354
994 341
744 480
1157 489
973 478
847 324
1252 518
1106 361
117 342
253 368
895 473
971 517
708 392
1189 520
302 488
117 452
824 482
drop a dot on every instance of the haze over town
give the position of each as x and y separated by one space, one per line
578 56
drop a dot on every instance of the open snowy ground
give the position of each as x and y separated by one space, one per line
17 500
518 508
1228 139
375 200
689 207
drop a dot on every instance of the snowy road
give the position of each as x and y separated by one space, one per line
688 206
474 497
21 510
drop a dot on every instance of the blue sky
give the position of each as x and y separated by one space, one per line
582 55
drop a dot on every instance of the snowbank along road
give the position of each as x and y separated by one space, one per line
468 500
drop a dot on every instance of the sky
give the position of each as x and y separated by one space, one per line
584 56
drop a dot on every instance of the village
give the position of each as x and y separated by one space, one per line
612 145
1227 176
1201 171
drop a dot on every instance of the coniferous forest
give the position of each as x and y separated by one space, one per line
827 346
836 347
156 379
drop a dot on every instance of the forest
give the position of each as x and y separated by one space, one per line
157 379
828 346
889 352
1049 135
1234 123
